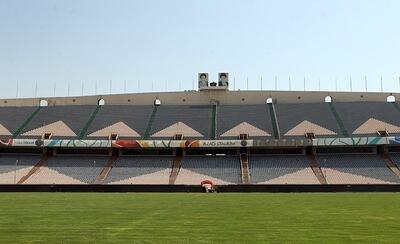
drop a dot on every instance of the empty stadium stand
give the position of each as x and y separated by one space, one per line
356 169
14 167
140 170
126 121
61 121
12 118
230 119
281 169
221 170
194 122
297 119
365 118
238 140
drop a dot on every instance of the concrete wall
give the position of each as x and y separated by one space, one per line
205 97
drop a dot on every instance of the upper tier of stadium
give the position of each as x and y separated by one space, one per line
210 114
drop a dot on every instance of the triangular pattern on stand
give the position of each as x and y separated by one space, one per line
245 128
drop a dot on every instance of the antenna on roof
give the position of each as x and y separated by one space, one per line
261 80
82 87
16 95
54 89
319 84
381 84
69 87
336 87
351 84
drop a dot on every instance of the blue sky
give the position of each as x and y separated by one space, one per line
164 44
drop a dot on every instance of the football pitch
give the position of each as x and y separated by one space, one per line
199 218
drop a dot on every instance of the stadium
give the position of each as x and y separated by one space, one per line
211 140
206 121
234 140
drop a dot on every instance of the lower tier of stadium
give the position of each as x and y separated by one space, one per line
245 169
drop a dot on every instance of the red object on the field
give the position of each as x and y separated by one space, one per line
207 182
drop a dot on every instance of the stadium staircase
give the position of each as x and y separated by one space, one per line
316 168
274 120
150 123
176 167
338 120
214 122
106 170
27 121
244 165
42 162
390 164
84 130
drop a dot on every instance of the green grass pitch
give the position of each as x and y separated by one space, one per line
199 218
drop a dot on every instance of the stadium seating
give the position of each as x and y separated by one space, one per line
74 118
221 170
229 116
281 169
356 169
135 117
355 114
14 167
13 117
196 117
292 115
140 170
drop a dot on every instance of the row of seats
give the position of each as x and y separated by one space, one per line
199 118
264 169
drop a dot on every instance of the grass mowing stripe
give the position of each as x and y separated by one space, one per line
199 218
